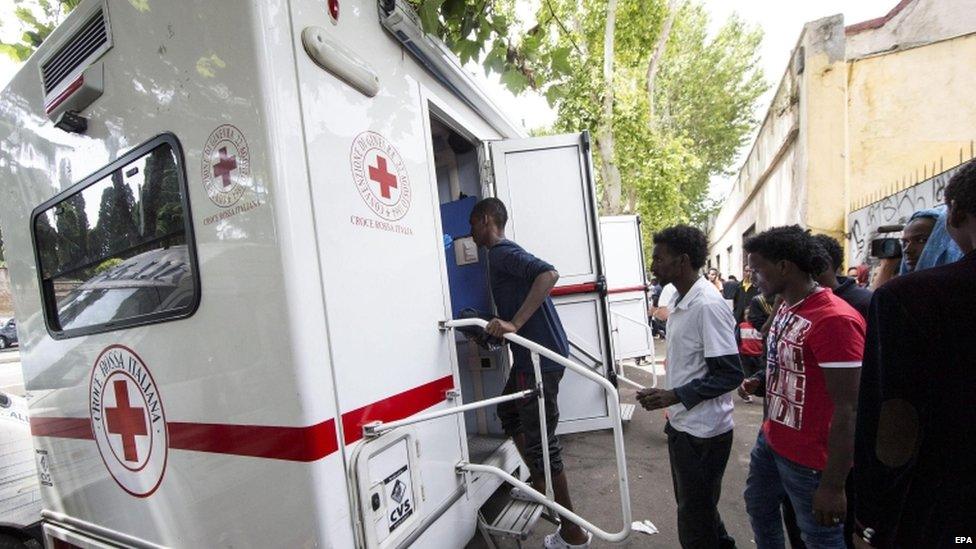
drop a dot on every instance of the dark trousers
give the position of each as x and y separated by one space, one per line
751 364
697 467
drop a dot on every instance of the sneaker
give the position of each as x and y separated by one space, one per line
747 398
556 541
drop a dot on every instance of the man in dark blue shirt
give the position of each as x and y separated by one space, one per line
520 285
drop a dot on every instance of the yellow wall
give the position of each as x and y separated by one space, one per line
826 167
909 110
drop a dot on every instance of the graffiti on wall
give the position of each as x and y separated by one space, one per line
892 210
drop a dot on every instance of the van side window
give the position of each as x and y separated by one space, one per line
117 249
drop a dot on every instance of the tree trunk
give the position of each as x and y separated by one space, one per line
630 205
604 137
655 63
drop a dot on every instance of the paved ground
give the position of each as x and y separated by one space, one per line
589 462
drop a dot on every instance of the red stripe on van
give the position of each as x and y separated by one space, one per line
72 88
571 289
62 427
290 443
395 407
627 289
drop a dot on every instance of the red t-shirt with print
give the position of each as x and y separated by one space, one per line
821 331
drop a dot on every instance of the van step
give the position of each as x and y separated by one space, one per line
627 411
516 519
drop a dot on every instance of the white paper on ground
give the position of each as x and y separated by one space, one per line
644 526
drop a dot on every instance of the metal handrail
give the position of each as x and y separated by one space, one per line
377 428
640 323
649 329
587 354
618 436
633 383
620 377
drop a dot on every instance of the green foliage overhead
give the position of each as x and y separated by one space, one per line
35 19
705 89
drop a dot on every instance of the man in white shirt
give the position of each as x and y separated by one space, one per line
702 370
660 311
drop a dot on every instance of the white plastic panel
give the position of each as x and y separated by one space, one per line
631 339
623 259
545 184
580 399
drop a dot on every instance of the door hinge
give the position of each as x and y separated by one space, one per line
601 285
487 174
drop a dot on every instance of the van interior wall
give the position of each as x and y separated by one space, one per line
482 372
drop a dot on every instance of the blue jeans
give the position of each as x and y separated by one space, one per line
770 478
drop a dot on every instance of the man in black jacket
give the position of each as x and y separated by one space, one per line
843 287
914 470
743 295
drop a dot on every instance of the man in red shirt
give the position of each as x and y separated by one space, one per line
814 349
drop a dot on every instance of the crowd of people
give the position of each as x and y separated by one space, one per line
868 427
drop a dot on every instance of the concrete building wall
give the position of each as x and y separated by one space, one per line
863 112
910 111
909 24
823 121
797 160
767 182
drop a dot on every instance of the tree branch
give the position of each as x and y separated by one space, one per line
654 65
605 139
562 27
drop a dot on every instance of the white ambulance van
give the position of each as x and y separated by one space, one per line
236 234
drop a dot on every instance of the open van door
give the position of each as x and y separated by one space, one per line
623 255
547 186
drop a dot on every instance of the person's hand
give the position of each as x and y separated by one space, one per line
829 505
860 543
748 386
498 327
887 269
654 399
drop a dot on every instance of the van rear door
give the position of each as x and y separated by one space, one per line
623 256
547 185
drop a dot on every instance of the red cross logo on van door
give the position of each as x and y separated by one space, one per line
227 164
382 176
126 421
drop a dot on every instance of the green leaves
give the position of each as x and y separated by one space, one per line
515 80
16 52
428 11
560 60
36 19
467 50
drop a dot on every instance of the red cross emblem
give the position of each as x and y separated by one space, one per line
126 421
382 176
227 164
